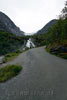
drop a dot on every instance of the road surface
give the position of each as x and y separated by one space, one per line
44 77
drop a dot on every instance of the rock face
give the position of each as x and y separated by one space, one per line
59 49
7 25
47 26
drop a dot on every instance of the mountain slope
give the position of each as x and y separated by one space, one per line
6 24
47 26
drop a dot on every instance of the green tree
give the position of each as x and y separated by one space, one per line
64 11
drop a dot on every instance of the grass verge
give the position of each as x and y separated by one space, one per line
10 56
62 55
9 71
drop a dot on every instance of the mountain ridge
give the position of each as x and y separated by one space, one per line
47 26
6 24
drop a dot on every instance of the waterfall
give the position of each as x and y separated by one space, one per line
30 44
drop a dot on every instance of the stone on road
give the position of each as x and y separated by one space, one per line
44 77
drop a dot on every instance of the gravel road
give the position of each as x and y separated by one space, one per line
44 77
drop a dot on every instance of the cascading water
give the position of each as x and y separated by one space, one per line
30 44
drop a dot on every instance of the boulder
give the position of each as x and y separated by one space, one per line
59 49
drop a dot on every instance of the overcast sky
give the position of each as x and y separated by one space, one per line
31 15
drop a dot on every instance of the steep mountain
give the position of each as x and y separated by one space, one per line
47 26
6 24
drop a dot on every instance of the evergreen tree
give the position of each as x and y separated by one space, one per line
64 11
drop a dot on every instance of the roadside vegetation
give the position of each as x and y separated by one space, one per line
56 37
11 56
9 71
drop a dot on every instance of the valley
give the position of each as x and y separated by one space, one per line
33 67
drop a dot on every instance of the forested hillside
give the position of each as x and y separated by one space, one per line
56 37
10 42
